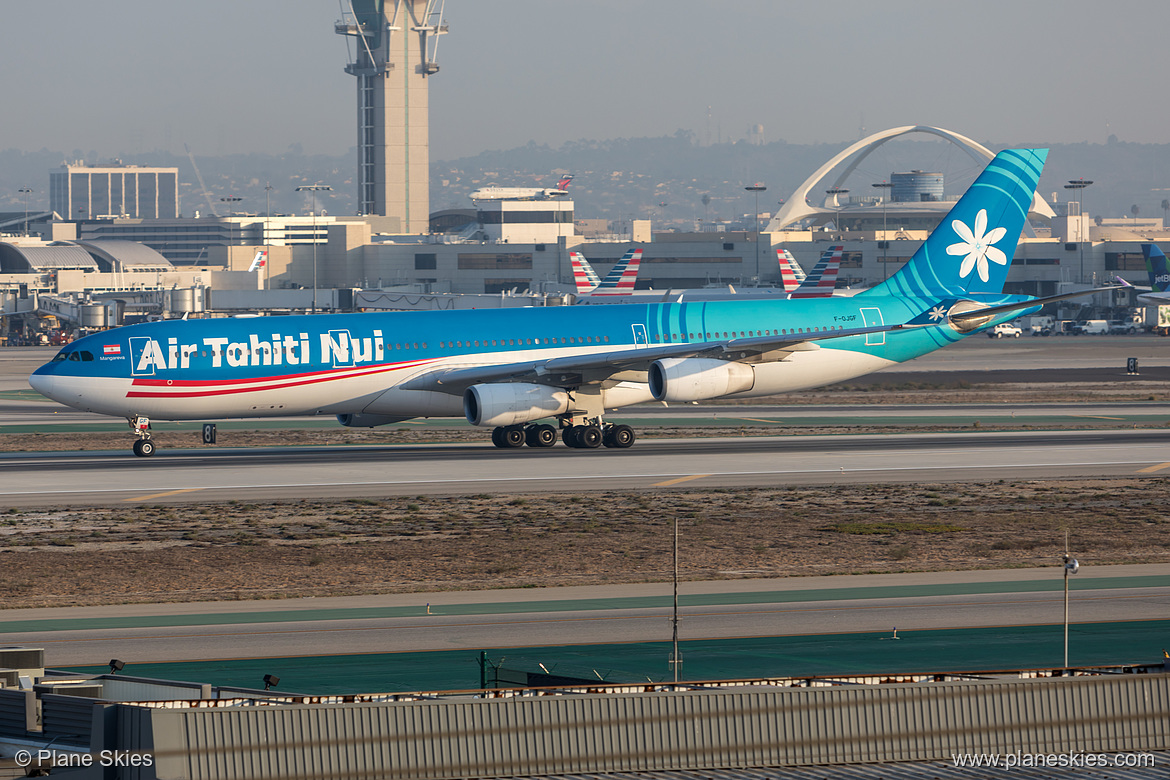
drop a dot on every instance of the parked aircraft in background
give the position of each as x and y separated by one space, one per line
822 281
1159 272
525 193
513 370
791 274
619 281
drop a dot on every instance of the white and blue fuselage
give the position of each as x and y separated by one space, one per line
508 368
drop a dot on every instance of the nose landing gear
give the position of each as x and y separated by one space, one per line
143 447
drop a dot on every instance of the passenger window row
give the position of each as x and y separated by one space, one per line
743 334
523 342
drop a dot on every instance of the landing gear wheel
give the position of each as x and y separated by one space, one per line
144 448
569 435
541 436
619 437
496 437
590 437
512 437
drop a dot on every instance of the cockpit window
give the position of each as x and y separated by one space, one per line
86 356
62 355
74 356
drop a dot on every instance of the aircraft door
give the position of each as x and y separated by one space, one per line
640 339
873 317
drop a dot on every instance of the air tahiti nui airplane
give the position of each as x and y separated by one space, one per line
515 370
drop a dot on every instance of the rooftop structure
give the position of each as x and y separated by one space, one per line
799 206
79 191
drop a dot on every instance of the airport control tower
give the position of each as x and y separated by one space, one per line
392 46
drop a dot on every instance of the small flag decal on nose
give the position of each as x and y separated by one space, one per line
112 349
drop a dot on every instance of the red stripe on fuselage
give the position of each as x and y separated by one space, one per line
204 388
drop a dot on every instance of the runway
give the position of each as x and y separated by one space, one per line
599 614
322 472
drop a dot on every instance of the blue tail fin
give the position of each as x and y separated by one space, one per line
971 249
1157 268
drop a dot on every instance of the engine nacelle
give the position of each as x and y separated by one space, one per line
510 403
367 420
697 379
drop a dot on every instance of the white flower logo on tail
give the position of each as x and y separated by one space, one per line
977 246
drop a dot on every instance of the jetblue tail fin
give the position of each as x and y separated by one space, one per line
971 249
822 280
583 274
1156 267
622 276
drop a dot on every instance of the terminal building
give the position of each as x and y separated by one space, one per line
80 192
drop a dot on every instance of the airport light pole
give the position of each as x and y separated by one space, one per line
675 659
885 187
1078 186
230 200
1071 566
267 216
835 192
756 189
314 189
25 191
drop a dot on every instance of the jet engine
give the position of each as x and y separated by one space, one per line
493 405
367 420
697 379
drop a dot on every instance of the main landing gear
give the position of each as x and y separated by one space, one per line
582 437
143 447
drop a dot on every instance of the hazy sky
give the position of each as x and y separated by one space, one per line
124 76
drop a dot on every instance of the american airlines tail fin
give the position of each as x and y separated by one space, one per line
259 261
971 249
1157 268
621 278
789 277
583 274
823 279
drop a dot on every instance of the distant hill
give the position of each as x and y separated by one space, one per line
664 179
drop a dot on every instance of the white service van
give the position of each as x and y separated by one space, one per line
1091 327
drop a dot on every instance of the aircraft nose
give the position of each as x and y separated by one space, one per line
44 382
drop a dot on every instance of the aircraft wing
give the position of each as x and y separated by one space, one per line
987 312
611 366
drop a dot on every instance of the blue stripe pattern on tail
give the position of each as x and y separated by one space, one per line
972 248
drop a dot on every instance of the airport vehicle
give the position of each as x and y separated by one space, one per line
1091 328
1130 325
1038 325
1005 330
525 193
514 369
619 281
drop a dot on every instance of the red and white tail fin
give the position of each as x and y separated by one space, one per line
787 272
621 278
823 279
583 274
259 261
563 184
625 283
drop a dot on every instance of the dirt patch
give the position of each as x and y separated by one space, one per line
56 557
